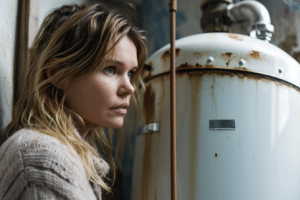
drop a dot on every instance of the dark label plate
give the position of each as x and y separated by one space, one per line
222 124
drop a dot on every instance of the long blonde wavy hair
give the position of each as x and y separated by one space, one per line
73 41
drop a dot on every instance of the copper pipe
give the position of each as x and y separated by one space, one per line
173 9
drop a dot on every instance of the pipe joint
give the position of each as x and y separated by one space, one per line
257 15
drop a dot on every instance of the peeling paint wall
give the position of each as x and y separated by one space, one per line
8 21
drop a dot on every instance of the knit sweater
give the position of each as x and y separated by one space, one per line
35 166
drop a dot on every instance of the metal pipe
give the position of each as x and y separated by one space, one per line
256 14
173 9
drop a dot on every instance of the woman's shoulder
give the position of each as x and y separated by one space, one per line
35 148
25 138
32 143
29 156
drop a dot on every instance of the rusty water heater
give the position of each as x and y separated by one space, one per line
238 114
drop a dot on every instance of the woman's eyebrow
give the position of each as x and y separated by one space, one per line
120 63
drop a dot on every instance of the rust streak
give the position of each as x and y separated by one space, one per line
216 155
227 55
195 107
166 56
146 72
149 104
146 171
214 101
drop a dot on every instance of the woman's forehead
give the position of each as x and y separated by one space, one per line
124 52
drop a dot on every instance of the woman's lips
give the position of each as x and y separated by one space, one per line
122 111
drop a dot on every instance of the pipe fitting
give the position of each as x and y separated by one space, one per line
219 15
258 16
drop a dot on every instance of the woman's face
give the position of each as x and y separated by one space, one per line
102 98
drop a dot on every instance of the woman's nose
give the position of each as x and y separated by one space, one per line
126 86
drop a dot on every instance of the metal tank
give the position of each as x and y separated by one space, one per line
238 122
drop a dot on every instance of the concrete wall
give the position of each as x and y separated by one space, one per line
8 21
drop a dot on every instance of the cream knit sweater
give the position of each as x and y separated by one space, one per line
35 166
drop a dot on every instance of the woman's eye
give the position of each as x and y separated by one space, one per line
110 70
130 73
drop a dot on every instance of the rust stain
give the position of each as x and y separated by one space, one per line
200 70
166 56
146 171
185 65
199 55
196 87
146 72
149 104
198 65
242 68
148 67
226 55
216 155
235 37
255 55
155 194
189 66
214 101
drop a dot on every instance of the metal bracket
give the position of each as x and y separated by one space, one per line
149 128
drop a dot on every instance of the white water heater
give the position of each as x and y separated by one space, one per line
238 122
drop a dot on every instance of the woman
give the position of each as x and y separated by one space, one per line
83 70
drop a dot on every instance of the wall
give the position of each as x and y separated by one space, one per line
8 22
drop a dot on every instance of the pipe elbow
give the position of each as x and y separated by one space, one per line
258 16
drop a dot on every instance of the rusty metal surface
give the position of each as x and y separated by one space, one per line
228 50
222 77
241 72
222 164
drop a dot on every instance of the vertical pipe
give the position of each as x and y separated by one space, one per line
21 51
173 9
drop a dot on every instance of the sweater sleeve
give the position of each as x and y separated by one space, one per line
42 168
35 192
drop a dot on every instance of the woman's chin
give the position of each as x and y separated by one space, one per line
114 124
